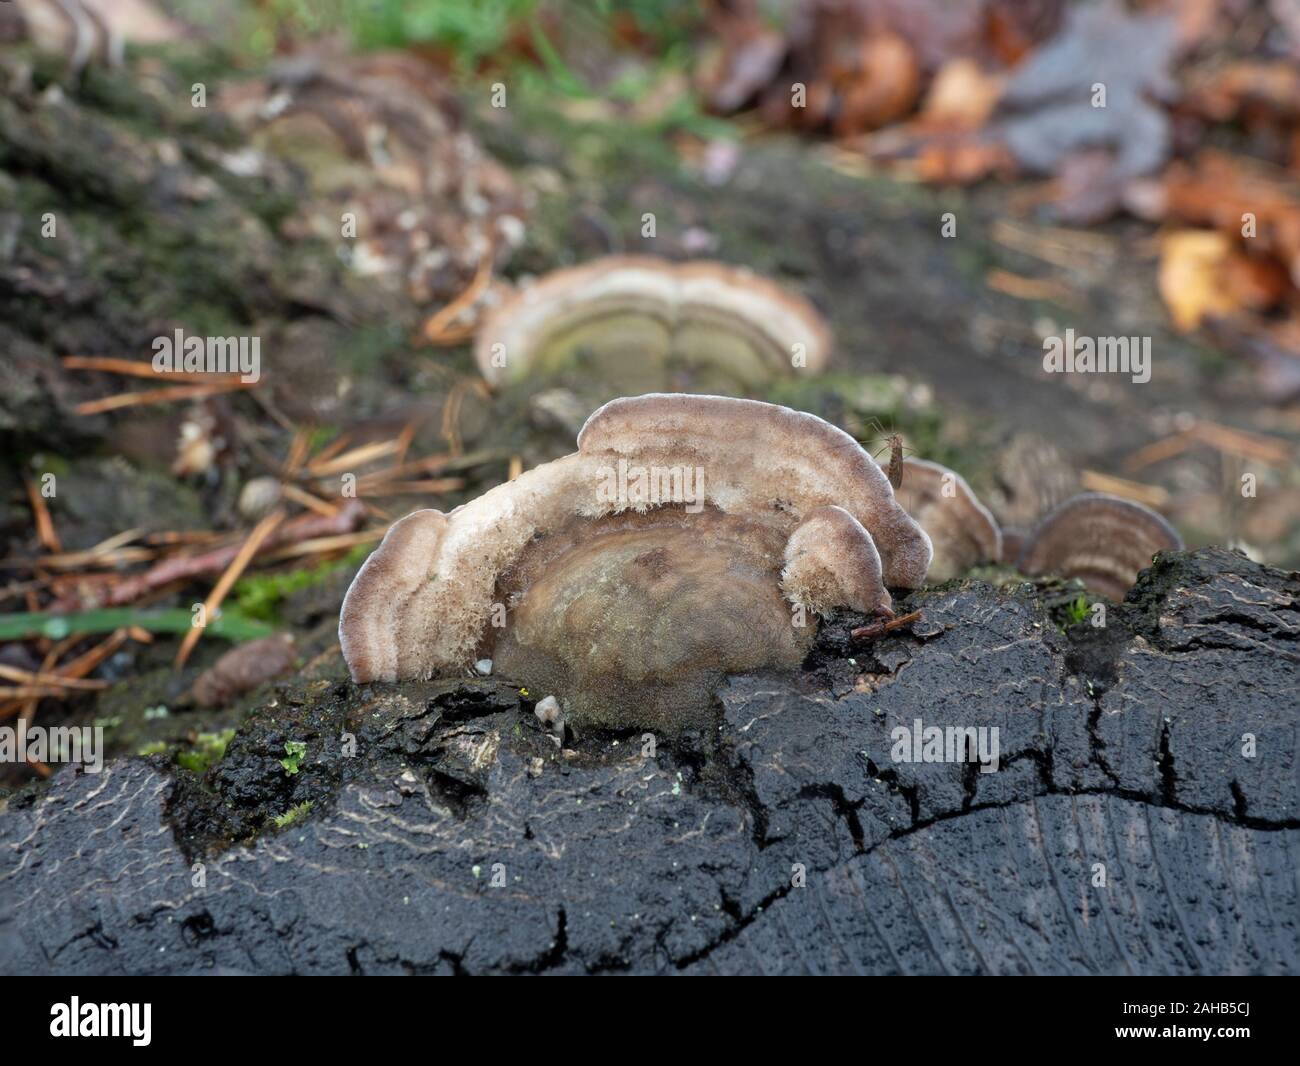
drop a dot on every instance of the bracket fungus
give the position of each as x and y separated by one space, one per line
961 528
1102 540
637 321
689 537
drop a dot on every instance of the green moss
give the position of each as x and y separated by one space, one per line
208 748
1074 612
294 750
1067 602
861 403
974 259
319 436
369 347
297 811
260 595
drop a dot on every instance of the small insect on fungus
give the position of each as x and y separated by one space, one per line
894 443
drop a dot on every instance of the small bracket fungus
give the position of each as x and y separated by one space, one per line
830 561
689 537
636 320
1102 540
961 528
1013 540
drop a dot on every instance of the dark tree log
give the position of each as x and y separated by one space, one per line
1121 752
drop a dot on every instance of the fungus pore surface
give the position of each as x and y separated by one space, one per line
689 537
642 322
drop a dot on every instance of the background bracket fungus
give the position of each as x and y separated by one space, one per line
630 605
639 322
1102 540
961 528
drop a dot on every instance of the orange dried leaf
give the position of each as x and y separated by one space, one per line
1192 266
962 95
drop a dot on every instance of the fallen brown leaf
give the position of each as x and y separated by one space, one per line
1192 267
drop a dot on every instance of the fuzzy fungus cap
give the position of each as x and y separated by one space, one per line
638 314
673 548
962 530
1102 540
762 457
831 561
646 612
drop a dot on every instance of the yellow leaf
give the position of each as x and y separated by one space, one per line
1191 280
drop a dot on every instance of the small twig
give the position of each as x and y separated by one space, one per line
32 677
332 448
451 410
1224 439
169 394
137 369
437 330
26 708
260 533
135 586
404 440
1022 288
321 545
1151 495
105 550
183 536
40 677
1061 247
354 457
876 630
408 488
312 503
88 660
21 588
44 524
30 692
428 464
1242 444
298 448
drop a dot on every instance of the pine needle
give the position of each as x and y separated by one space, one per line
260 532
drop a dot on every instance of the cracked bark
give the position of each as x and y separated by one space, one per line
1124 832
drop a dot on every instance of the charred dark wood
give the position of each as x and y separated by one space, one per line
1126 830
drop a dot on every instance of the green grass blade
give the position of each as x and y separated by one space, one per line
229 624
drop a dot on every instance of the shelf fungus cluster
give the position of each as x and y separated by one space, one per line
688 538
85 31
641 323
1102 540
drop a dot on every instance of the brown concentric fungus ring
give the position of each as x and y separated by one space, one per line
962 530
643 314
686 539
1102 540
